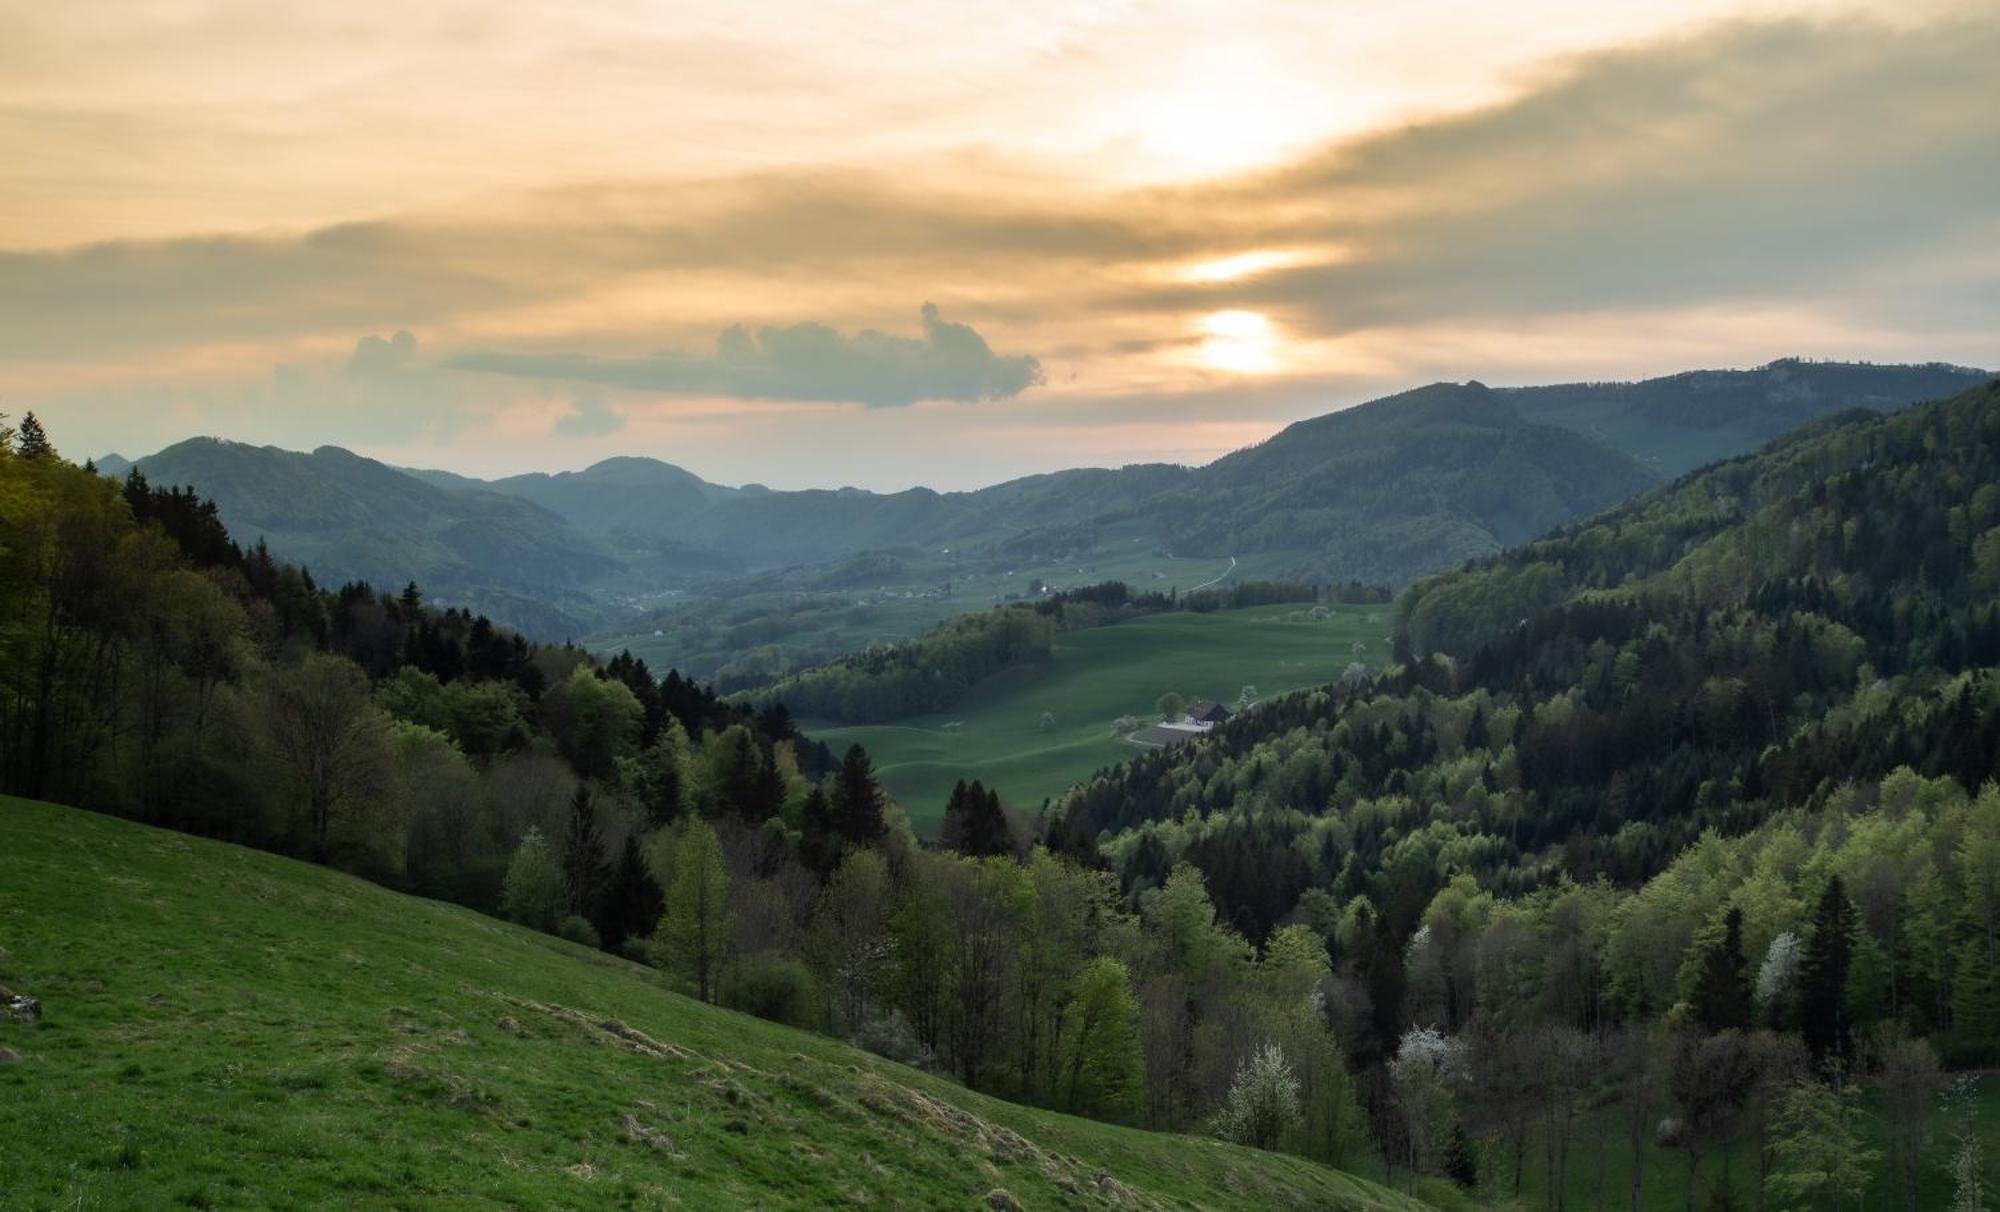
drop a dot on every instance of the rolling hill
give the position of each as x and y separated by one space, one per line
349 518
996 733
1383 492
423 1055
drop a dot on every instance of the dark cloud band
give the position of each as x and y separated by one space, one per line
803 362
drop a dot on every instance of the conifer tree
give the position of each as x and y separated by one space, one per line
819 837
974 823
1722 985
585 871
857 799
32 442
1823 1017
633 903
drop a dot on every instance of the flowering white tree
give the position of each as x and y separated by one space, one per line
1263 1102
1427 1065
1778 977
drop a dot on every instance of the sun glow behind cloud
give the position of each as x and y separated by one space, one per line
1240 342
1275 207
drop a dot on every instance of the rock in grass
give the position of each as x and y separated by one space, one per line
999 1199
8 1056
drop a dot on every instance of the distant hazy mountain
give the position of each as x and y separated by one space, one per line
1678 423
1385 491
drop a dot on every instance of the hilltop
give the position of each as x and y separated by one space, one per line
423 1054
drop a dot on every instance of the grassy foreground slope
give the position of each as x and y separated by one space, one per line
226 1028
1099 674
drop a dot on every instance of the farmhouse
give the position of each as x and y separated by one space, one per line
1207 713
1204 715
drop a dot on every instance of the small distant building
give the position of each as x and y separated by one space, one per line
1207 713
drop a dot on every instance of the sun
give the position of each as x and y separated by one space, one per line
1240 342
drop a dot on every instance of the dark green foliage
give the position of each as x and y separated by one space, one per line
633 901
32 442
928 674
1722 985
974 823
585 871
1823 1011
856 801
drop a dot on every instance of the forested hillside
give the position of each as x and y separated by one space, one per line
1722 758
349 518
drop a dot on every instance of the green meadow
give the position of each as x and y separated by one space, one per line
224 1028
998 733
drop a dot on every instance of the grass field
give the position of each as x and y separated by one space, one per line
1097 675
225 1028
824 624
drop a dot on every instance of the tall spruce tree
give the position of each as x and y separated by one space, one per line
32 442
1722 986
819 836
584 867
857 799
1823 1014
974 823
634 902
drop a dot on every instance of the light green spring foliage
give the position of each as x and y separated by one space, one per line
1819 1158
1185 917
694 934
533 893
1103 1071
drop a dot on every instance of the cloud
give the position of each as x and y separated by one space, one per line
803 362
374 357
590 416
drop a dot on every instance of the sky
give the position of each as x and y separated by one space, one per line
837 243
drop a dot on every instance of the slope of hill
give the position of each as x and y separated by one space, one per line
224 1028
351 518
1742 641
1678 423
1031 732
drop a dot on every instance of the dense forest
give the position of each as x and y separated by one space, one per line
1671 825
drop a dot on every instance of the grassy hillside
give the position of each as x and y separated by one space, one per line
225 1028
1098 675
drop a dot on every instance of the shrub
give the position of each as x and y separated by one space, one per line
891 1038
577 929
776 986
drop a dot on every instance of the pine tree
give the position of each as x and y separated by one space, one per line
819 837
585 871
858 800
633 903
1823 1015
974 823
1722 986
32 442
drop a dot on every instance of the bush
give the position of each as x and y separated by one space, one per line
891 1038
577 929
639 950
776 986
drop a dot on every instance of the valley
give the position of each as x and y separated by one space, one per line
998 732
